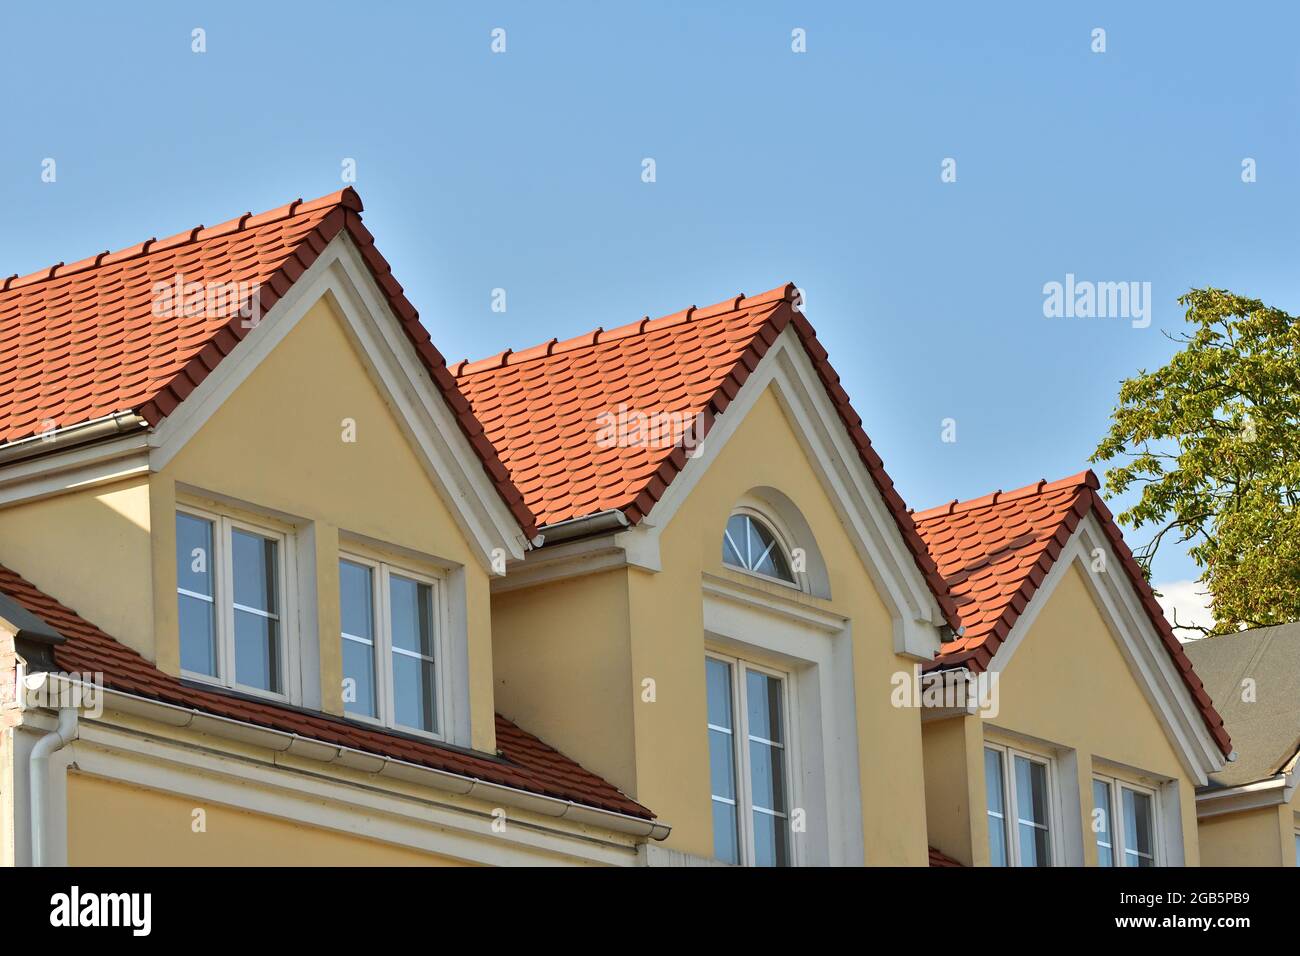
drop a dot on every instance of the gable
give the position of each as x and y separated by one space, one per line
293 412
1068 681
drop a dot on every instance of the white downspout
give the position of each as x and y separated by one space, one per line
39 777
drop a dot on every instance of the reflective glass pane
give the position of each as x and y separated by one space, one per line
767 771
722 764
763 700
1032 813
771 840
411 607
733 543
257 648
1101 823
1139 836
995 803
359 673
356 600
726 843
717 677
253 561
194 554
414 698
198 637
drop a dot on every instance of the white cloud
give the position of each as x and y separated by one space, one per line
1190 601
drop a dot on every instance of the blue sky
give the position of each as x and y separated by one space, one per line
522 171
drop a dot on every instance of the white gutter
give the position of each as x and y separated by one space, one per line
582 527
38 777
57 439
280 741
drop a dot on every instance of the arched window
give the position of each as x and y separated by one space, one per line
750 544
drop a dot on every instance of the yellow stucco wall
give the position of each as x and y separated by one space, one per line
90 550
954 804
1067 687
658 618
564 672
115 824
1264 836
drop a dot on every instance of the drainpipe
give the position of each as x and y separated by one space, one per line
39 777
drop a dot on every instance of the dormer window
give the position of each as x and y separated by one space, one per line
750 544
231 591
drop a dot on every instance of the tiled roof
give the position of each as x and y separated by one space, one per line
994 552
937 858
82 341
542 407
526 763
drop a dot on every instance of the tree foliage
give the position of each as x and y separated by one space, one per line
1212 439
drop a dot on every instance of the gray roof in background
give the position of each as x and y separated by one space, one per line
1265 733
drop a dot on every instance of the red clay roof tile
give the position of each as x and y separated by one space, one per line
525 763
995 551
542 406
90 344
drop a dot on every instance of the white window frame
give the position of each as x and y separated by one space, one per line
381 572
1116 810
1010 802
800 582
222 565
740 755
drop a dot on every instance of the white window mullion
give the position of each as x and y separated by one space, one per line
744 783
384 665
226 617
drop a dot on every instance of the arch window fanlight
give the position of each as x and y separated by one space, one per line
751 545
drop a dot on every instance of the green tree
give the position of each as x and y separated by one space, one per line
1212 439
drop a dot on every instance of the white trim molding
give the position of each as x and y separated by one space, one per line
1271 792
814 649
141 742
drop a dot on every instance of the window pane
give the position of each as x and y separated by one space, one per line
763 697
198 642
1101 823
356 613
1139 843
414 676
356 607
413 692
765 554
717 675
411 606
1031 812
257 651
767 771
751 545
726 846
194 554
722 764
359 668
995 804
196 609
734 549
771 840
253 559
722 760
